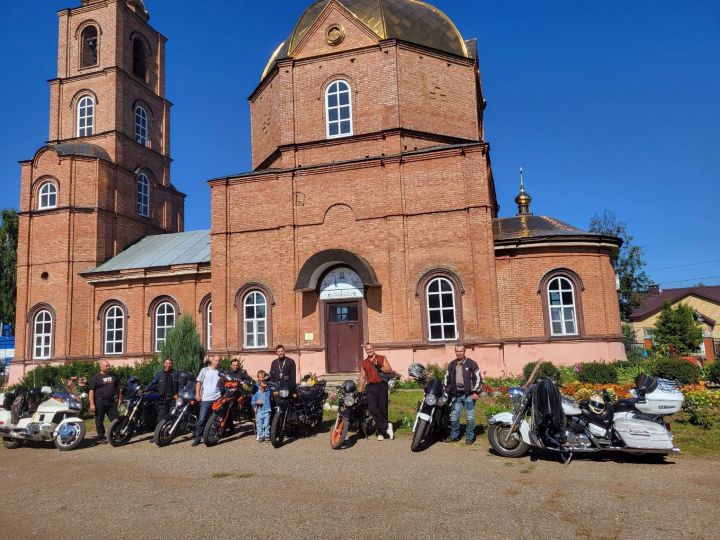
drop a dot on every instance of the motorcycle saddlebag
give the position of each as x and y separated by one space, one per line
643 434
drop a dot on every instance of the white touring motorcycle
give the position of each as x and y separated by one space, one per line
542 418
41 415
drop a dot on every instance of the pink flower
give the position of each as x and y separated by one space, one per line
578 367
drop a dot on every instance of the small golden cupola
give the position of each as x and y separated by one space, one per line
523 200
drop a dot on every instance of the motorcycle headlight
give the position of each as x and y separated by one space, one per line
284 393
516 395
349 401
442 400
178 401
431 400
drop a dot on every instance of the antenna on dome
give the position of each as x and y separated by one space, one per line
523 200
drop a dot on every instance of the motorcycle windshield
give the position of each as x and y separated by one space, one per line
188 391
434 387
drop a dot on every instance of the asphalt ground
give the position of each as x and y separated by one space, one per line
370 489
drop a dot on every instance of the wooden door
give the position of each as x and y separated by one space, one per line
344 337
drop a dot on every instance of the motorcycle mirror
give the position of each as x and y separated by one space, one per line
46 390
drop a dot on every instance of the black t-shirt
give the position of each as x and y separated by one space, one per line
105 386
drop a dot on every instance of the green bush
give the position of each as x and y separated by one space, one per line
627 370
713 372
406 384
568 374
636 356
510 381
436 371
547 371
184 346
598 373
678 370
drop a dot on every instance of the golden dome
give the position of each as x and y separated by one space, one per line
405 20
523 200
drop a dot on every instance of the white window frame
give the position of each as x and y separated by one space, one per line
557 311
253 336
142 199
42 339
208 324
441 309
85 116
163 312
115 332
47 196
338 113
141 125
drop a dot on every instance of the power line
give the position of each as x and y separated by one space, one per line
690 279
682 265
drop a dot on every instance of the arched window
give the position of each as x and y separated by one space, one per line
440 298
338 109
141 125
42 335
561 303
255 319
139 68
208 326
114 330
89 51
47 196
164 321
143 195
85 116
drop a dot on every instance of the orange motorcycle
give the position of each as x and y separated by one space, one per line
233 404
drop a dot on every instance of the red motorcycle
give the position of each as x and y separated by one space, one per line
233 404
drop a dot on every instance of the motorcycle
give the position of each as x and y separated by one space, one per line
233 404
141 414
183 416
558 423
433 415
352 414
295 408
42 415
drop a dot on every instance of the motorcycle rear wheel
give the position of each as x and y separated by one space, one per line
421 430
12 444
72 443
277 429
515 447
116 437
163 436
339 432
213 430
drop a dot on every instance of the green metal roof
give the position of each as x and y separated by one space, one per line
161 250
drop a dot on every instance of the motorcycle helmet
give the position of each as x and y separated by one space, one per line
416 371
596 404
349 386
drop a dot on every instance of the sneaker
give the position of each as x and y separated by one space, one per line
195 442
390 432
451 439
259 439
468 442
266 439
380 437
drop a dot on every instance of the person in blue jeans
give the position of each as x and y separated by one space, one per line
463 382
263 407
207 391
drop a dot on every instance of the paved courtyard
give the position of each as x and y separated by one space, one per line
370 490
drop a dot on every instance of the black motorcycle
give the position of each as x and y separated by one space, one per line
352 414
433 415
182 418
295 409
141 414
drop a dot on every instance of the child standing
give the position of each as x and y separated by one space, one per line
262 407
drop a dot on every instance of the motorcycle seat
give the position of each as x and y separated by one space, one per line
310 393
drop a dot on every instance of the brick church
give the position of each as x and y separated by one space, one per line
370 213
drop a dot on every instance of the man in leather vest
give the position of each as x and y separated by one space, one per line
166 383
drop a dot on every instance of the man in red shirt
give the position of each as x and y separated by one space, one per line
377 389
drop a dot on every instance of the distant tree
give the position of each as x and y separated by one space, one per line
628 263
629 334
678 329
184 346
8 265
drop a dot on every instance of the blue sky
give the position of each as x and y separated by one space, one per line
607 105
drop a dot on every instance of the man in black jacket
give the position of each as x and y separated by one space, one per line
464 383
167 384
283 368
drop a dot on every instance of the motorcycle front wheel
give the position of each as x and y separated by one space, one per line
277 429
12 444
163 434
339 432
513 447
120 432
213 430
421 430
70 437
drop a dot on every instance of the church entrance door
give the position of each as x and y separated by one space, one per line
344 337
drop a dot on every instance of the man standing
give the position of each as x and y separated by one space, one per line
207 390
166 383
372 370
104 398
464 383
283 368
